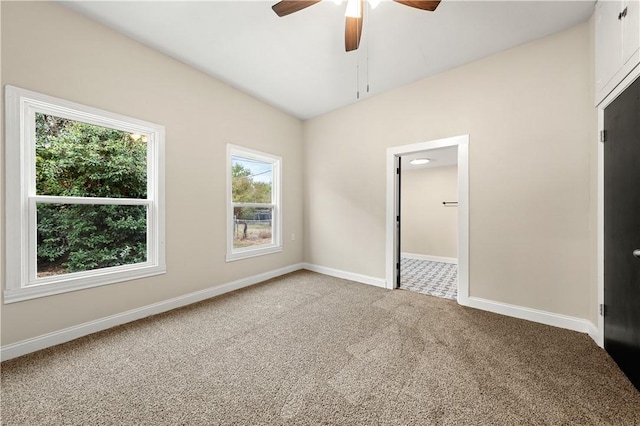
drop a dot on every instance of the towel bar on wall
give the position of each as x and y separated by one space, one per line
449 203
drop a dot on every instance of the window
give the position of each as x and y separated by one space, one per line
253 207
84 196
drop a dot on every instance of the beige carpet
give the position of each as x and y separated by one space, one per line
311 349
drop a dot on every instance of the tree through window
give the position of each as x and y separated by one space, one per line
75 159
254 207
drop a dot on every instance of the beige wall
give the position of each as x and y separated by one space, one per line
52 50
529 115
429 227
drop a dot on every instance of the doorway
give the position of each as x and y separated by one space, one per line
429 226
393 220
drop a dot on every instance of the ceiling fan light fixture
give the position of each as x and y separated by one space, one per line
353 9
354 13
419 161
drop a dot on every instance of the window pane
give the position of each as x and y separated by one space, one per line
77 159
251 180
252 226
75 237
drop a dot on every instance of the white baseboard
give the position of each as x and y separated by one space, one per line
430 258
17 349
594 333
535 315
365 279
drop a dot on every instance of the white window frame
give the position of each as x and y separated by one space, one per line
276 205
21 281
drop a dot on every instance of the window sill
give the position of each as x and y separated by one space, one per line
245 254
80 281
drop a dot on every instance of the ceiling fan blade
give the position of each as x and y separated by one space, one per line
353 31
286 7
429 5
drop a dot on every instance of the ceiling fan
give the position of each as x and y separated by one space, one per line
354 15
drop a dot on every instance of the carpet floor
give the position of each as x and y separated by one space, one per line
431 278
308 349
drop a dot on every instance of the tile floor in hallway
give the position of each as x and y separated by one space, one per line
427 277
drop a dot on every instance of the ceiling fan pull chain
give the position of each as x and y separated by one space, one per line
368 18
358 78
367 65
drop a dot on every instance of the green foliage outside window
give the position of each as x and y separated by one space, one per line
245 189
76 159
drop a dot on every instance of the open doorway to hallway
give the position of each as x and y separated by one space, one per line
428 193
394 222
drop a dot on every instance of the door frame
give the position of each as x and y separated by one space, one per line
635 73
393 153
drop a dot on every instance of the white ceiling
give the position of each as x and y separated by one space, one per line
298 63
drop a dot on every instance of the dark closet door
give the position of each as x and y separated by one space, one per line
622 231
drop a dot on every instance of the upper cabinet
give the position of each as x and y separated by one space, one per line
617 43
